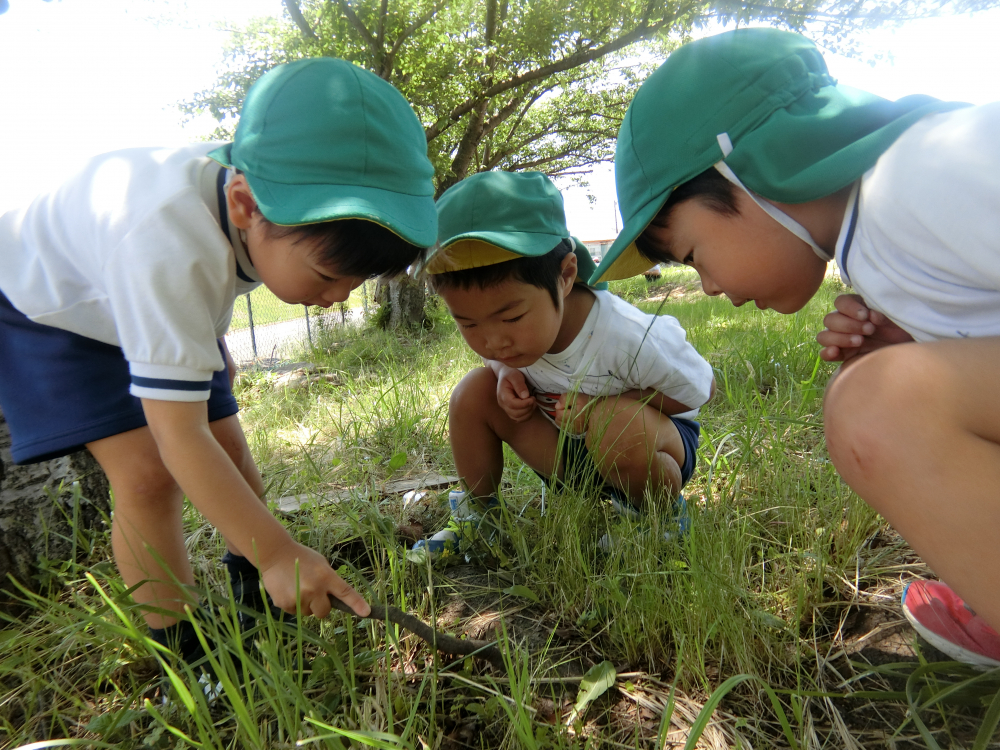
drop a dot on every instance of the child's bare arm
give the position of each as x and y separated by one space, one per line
853 330
216 488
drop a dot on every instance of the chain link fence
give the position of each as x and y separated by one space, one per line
265 331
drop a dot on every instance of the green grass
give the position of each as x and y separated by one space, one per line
742 635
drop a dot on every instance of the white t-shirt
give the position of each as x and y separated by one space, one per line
131 252
924 247
620 348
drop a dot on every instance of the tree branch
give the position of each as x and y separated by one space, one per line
409 30
353 19
571 61
446 644
382 13
292 6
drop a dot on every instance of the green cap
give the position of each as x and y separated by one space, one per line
762 101
322 139
492 217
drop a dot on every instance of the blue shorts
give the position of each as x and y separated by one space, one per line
580 469
60 391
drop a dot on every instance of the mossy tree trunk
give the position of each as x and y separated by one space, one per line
43 508
401 303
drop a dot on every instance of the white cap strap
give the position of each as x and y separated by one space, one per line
725 143
771 210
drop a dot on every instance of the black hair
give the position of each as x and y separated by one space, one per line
542 271
353 247
714 192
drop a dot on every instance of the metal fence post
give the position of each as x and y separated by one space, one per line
309 332
364 297
253 338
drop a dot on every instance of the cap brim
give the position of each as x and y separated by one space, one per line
623 259
412 217
222 154
475 249
526 244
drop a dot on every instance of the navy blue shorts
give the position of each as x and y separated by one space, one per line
60 391
580 469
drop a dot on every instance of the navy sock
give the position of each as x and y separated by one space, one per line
181 639
240 568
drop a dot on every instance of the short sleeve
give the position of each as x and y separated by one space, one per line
668 363
170 282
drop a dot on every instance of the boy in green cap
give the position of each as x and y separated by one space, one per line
741 157
118 286
622 385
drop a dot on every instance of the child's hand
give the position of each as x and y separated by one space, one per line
854 330
513 394
316 580
573 418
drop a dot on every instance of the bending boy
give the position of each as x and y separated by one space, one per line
622 385
742 158
118 286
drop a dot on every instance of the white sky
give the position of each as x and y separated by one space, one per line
79 77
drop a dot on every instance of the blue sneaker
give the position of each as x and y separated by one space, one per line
467 516
681 520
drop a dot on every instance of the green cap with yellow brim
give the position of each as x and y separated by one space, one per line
762 101
321 139
493 217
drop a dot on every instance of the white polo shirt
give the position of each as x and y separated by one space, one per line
131 252
921 238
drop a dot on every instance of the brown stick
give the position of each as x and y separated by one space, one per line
446 644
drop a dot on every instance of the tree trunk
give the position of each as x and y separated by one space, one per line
42 509
401 303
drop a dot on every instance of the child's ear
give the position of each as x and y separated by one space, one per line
567 273
240 202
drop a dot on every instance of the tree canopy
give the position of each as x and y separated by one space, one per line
517 84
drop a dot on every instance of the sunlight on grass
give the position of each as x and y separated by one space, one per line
749 632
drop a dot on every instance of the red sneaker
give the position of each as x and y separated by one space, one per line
946 622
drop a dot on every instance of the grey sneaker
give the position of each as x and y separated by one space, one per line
467 516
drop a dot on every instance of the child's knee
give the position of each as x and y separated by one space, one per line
476 390
874 406
147 484
228 432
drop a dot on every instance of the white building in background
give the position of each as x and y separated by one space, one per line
597 248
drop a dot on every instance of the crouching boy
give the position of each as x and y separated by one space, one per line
743 158
621 384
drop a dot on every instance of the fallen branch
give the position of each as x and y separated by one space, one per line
446 644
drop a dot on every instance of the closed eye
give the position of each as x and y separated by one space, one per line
325 277
514 320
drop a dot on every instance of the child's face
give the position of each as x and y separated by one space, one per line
288 268
291 270
513 322
747 257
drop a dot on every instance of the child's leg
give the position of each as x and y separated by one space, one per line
148 512
635 447
479 428
914 429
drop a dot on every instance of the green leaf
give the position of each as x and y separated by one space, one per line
397 461
105 724
593 685
522 591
